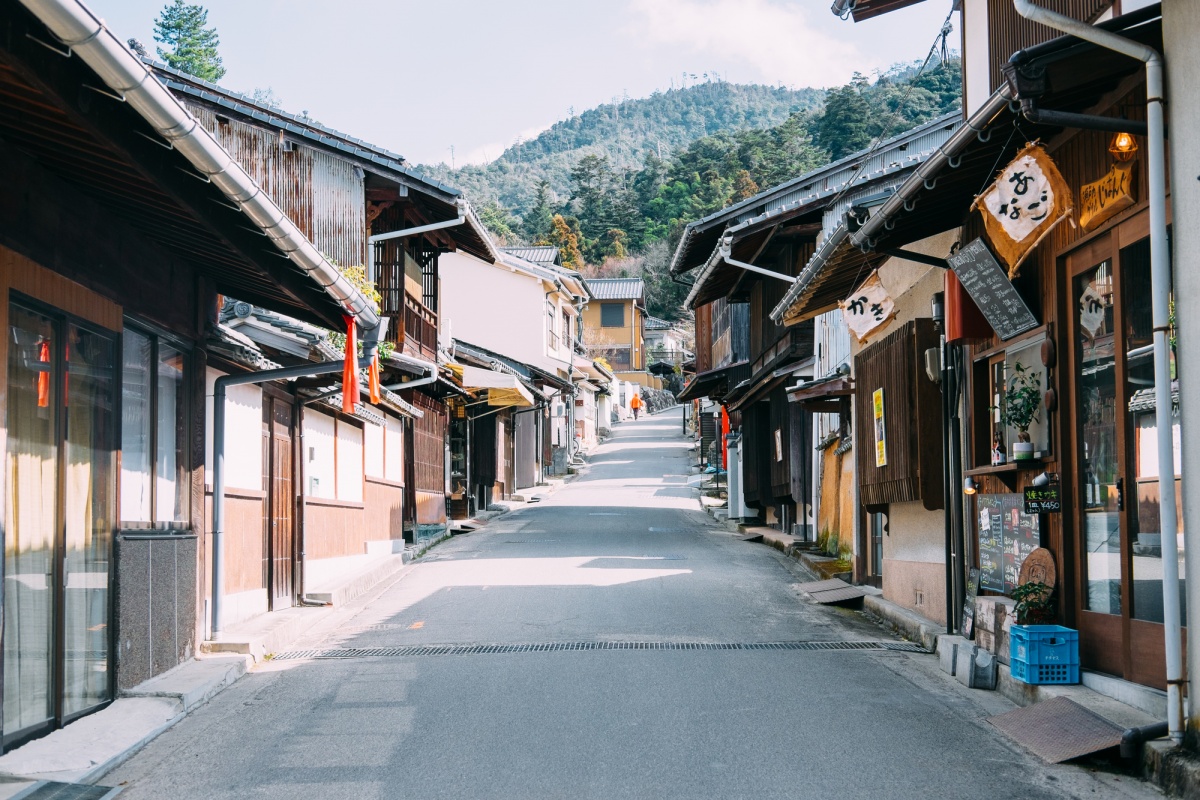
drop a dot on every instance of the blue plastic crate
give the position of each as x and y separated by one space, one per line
1044 673
1039 645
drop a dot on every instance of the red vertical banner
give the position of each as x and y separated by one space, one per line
43 378
350 388
724 434
373 379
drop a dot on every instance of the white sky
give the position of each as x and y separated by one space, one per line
418 77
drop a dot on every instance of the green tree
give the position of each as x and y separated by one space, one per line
540 219
190 46
499 221
566 240
844 127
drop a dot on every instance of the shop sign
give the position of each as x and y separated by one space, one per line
1043 499
1100 201
867 308
880 430
997 299
1006 538
1023 205
1092 306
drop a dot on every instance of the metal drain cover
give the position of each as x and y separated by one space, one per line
421 651
1058 730
53 790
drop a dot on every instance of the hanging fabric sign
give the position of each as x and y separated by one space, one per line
1091 311
1100 201
1023 205
350 386
867 308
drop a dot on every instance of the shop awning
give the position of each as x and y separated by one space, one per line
767 383
714 382
503 389
821 392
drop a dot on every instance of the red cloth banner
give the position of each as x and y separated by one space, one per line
350 388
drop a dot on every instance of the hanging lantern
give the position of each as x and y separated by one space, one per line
1124 147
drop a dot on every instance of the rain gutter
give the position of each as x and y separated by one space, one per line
133 83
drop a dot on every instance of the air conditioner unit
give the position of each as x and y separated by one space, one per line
558 409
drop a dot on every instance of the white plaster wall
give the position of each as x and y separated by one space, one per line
915 534
373 450
319 450
349 462
393 450
243 434
492 307
974 24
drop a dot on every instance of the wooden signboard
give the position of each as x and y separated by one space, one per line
1007 536
968 617
1043 499
1105 198
987 284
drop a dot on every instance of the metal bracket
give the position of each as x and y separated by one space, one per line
64 53
120 98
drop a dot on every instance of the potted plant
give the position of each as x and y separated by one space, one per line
1022 403
1034 606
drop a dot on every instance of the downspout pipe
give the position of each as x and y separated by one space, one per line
460 205
1160 291
123 72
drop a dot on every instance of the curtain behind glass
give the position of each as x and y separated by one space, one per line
29 517
171 471
89 521
136 421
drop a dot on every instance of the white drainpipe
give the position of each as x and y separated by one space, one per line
1160 289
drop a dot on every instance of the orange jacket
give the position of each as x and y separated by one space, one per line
636 401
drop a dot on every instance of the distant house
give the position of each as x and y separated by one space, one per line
614 328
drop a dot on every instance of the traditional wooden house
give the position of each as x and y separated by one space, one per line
1067 319
748 258
364 207
614 328
123 223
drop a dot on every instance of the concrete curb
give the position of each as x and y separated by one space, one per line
362 583
911 626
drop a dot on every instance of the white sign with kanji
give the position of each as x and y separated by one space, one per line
869 307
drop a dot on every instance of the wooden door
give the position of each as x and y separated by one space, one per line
1114 457
280 501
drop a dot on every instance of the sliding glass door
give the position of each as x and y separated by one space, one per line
59 519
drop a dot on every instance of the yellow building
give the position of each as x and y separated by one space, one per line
614 327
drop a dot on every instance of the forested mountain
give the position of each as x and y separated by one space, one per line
625 132
615 218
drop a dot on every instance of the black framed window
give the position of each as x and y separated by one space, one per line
612 315
155 460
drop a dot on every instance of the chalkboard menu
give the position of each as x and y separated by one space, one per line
985 280
1007 535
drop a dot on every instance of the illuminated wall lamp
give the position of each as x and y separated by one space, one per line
1123 147
969 486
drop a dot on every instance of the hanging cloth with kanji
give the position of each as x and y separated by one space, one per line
350 387
373 379
1028 198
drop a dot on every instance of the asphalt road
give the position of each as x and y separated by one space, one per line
622 555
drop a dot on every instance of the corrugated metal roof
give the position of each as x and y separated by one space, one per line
617 288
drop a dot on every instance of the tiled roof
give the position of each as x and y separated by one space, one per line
545 255
617 288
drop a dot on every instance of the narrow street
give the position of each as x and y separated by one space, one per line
620 556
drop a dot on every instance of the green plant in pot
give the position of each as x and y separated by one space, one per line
1035 605
1022 404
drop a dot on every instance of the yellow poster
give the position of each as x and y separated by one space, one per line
880 435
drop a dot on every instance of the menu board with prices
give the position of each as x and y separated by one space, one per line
984 279
1007 535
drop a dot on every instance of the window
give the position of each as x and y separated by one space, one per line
612 315
155 466
566 330
551 327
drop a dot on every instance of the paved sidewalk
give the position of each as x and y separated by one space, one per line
84 751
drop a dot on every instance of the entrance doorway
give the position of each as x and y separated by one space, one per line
1113 444
59 516
279 502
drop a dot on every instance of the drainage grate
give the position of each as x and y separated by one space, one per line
530 541
418 651
53 790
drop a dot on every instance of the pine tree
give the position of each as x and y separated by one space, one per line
540 219
190 46
844 127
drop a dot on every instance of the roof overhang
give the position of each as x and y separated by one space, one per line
1080 77
503 389
134 148
766 384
